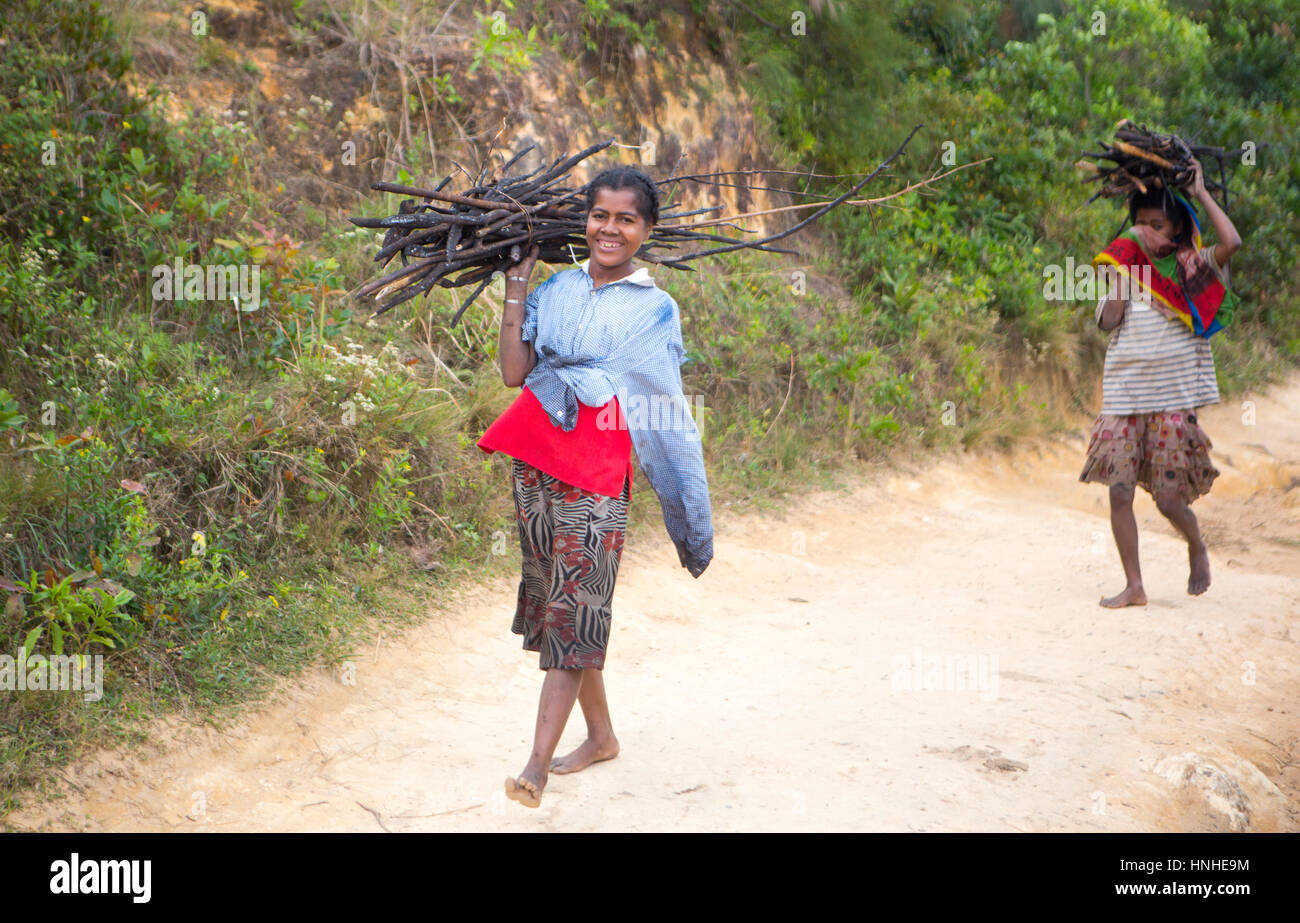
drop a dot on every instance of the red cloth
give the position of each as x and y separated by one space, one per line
589 457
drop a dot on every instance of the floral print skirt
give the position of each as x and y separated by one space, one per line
571 541
1165 452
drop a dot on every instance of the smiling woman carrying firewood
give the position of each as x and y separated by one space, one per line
598 351
576 342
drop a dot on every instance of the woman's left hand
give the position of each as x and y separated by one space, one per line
1198 180
524 268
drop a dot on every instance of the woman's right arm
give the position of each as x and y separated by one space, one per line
515 354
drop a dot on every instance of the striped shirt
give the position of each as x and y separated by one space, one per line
1155 363
624 340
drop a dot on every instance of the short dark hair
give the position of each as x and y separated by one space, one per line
1164 200
647 204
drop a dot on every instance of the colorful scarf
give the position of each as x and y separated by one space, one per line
1183 286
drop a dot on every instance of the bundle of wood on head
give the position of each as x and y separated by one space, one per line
1144 160
465 238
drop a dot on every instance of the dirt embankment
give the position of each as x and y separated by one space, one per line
342 101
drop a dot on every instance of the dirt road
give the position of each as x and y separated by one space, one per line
924 652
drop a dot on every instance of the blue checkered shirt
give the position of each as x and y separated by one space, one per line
625 338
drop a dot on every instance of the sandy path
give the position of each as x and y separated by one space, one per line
775 693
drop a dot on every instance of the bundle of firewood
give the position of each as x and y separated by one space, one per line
454 239
1143 160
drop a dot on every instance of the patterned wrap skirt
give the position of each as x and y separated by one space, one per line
1165 452
571 541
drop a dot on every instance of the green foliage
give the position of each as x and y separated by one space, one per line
613 25
72 619
825 77
501 45
39 298
1252 45
10 418
96 188
64 116
604 35
294 286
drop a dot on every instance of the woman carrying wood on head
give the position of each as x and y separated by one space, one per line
579 342
1159 370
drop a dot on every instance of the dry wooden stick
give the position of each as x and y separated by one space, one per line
458 238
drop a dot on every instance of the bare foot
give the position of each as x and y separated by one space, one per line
590 751
525 791
1132 596
1199 581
